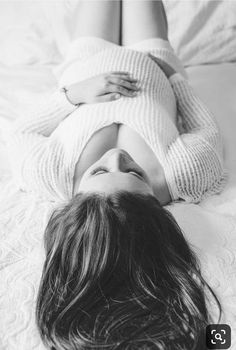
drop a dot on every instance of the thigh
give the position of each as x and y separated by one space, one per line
143 19
99 18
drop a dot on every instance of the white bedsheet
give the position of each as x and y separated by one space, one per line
210 227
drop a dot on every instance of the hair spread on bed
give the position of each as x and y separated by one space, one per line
119 274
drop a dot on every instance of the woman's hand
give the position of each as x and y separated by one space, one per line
102 88
166 68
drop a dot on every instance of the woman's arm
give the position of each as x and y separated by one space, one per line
43 114
33 154
37 158
48 111
195 116
194 160
196 155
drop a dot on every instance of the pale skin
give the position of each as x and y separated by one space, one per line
115 169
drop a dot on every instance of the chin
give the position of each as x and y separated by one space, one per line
163 197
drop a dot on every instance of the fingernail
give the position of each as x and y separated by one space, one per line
117 96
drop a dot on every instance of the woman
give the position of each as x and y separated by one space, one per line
118 122
118 272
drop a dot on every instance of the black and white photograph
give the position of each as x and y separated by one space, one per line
117 174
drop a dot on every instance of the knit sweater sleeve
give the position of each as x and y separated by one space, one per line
37 159
195 157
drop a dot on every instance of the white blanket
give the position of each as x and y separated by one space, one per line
210 227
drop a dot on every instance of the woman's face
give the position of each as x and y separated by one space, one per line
115 171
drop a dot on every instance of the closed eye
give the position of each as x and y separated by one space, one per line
101 170
135 172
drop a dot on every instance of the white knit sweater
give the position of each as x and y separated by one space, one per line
46 143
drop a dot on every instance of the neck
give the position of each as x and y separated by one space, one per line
161 191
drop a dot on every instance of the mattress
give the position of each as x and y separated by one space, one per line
209 227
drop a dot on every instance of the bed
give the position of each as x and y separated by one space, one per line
27 64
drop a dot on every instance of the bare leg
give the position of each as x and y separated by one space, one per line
100 18
143 19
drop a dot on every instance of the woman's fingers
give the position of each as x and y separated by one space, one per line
160 62
108 97
121 90
130 84
120 83
103 87
167 69
119 73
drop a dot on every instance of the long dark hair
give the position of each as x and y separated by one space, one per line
119 274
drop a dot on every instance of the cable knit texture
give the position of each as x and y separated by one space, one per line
45 144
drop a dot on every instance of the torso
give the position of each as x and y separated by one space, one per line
143 126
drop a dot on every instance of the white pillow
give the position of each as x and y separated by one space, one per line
202 31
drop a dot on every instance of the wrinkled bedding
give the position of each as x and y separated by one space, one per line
38 32
210 227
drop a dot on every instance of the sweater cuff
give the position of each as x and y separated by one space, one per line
175 78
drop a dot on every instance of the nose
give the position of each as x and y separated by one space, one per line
119 160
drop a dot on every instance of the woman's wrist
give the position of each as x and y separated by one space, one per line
71 96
